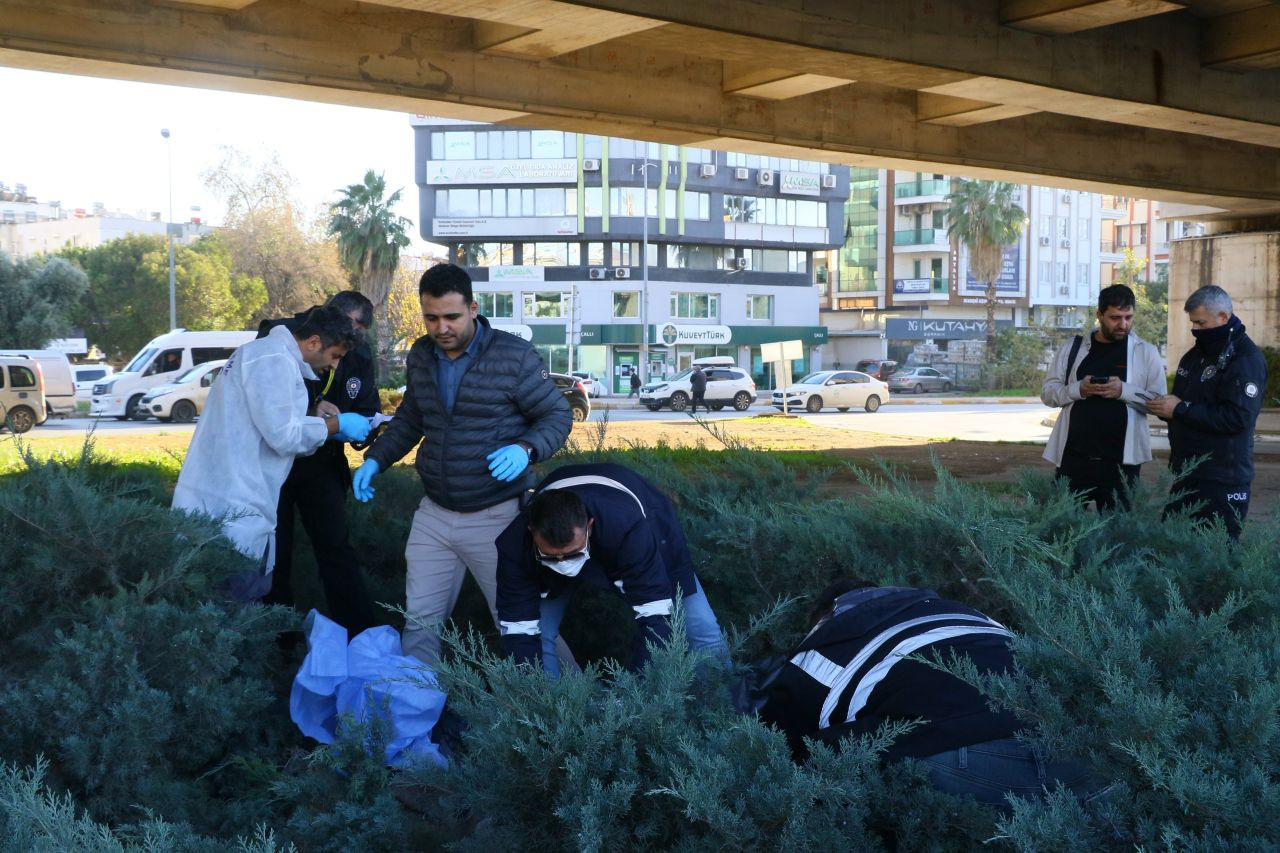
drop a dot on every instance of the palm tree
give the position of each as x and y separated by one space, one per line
370 236
985 218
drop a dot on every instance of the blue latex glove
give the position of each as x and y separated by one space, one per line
507 463
351 427
363 476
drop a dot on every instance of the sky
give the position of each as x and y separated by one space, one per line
85 139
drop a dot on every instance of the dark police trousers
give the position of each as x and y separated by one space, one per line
317 486
1217 500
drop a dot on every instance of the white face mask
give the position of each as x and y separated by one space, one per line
568 568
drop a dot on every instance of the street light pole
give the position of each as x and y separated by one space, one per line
173 290
644 271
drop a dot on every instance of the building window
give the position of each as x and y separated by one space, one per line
545 305
497 306
505 145
1062 272
484 254
691 257
551 254
628 254
1082 231
1064 226
1046 276
775 260
759 307
757 161
695 306
774 211
542 201
626 304
1140 237
1082 274
595 254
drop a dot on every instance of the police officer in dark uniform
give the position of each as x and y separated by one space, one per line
1212 410
317 484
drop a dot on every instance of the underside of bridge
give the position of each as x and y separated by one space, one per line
1178 101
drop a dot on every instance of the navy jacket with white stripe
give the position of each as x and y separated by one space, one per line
854 672
636 542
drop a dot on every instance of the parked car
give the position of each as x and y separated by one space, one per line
86 375
59 384
594 385
841 389
727 385
917 380
573 391
877 368
22 403
184 398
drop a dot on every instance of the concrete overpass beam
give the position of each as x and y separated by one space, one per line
1060 17
741 78
962 112
1243 41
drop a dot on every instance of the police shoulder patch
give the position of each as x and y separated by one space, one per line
1251 389
1208 373
545 373
353 387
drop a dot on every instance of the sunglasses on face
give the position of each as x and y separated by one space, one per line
559 558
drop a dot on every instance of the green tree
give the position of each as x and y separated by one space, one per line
268 236
1151 312
370 236
985 218
38 299
127 302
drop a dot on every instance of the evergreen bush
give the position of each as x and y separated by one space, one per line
145 713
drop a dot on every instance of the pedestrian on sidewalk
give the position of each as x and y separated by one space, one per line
635 383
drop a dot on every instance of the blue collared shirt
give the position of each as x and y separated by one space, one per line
449 370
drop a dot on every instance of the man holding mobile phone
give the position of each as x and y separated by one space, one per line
1102 382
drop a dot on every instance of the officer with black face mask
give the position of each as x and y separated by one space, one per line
1212 410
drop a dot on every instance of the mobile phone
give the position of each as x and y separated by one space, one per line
1099 380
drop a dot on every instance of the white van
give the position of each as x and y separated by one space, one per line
161 361
59 384
88 375
22 403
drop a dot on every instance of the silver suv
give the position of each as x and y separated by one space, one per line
726 386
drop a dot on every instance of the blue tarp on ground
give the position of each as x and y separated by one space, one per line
368 676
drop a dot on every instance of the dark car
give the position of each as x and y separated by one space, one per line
878 368
573 391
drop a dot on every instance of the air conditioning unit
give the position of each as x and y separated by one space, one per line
739 263
764 177
1066 198
1065 290
1066 244
595 274
590 165
828 182
1044 241
740 173
622 272
707 170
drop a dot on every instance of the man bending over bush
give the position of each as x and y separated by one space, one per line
857 669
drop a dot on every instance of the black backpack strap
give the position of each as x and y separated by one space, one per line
1075 350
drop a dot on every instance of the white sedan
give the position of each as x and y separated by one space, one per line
183 399
840 389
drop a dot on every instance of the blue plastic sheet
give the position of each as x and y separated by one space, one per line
366 678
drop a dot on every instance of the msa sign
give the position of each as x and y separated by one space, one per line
800 183
447 172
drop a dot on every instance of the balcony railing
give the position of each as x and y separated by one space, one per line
931 186
919 237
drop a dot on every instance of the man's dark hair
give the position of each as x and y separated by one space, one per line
352 301
1115 296
557 515
824 602
333 326
446 278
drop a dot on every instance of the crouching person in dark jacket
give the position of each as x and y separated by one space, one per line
605 525
855 671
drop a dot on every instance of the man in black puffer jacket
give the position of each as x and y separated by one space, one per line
483 406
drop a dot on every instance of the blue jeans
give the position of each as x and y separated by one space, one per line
701 628
987 771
